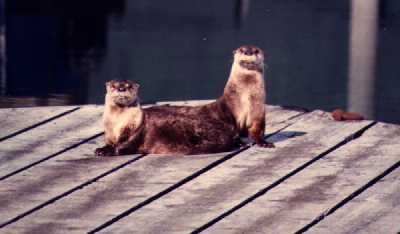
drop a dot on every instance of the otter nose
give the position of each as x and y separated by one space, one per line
247 50
121 89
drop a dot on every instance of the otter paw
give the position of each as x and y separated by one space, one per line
104 151
123 151
266 144
118 151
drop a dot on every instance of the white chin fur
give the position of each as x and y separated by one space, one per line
252 58
123 100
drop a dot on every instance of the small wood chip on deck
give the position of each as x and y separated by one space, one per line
52 183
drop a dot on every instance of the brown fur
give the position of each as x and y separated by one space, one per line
209 128
244 93
164 129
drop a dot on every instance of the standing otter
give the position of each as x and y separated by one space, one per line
162 129
243 101
244 93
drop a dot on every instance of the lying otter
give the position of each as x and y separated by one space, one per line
129 128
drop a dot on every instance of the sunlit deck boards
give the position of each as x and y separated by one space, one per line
323 177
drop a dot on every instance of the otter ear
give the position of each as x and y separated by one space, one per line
133 83
108 86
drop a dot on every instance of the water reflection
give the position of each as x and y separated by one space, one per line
182 50
53 47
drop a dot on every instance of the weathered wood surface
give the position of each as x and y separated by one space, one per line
375 211
238 178
13 120
300 199
49 139
51 182
90 207
39 184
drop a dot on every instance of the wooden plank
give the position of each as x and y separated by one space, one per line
296 202
377 210
83 210
13 120
48 139
202 199
37 185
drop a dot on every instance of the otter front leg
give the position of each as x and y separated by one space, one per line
126 144
256 132
238 142
106 150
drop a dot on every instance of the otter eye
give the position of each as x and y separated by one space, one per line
256 51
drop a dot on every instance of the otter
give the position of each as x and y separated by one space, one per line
210 128
245 95
243 99
129 128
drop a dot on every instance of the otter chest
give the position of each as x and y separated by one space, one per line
243 114
117 125
250 95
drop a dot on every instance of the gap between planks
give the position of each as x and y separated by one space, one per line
44 142
219 188
351 137
89 132
284 178
15 133
377 210
323 188
347 199
279 119
68 192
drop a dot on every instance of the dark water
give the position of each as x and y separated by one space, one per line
62 52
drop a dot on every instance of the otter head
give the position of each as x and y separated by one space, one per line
122 93
250 58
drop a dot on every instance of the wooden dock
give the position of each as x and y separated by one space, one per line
324 176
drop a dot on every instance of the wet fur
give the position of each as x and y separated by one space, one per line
187 130
181 130
165 129
245 93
